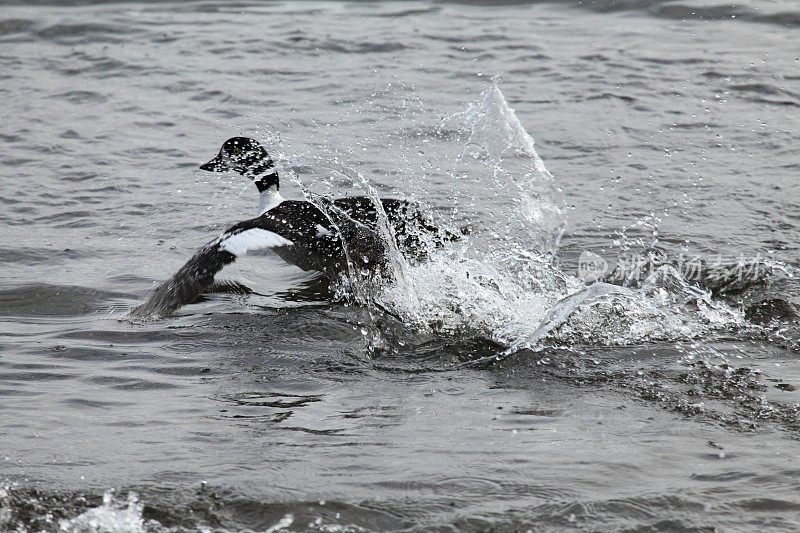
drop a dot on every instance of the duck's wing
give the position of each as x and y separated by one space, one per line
197 275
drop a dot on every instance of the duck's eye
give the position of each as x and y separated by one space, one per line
237 150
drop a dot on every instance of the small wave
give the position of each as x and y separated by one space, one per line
762 88
725 12
461 39
129 383
766 93
81 97
52 300
10 26
676 60
624 98
70 32
408 12
25 256
82 62
771 101
347 46
71 219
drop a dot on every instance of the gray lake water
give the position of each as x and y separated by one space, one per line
502 392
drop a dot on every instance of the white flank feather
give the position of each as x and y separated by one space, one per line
251 240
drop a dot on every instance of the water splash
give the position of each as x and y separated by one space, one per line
505 283
113 516
282 525
666 308
361 282
533 213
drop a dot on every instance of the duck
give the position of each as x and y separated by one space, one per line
344 236
410 224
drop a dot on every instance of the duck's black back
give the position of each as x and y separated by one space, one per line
316 242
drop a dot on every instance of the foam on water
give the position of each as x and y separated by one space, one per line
113 516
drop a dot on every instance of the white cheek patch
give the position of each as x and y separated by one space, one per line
322 232
251 240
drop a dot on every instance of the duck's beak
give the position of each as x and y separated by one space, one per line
216 165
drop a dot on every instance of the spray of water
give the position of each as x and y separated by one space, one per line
531 208
113 516
505 282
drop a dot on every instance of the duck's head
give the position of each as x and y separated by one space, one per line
246 157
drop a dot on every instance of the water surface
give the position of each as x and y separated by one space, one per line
657 406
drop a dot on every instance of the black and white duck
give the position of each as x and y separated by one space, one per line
346 232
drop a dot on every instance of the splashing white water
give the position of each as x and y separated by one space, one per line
530 209
505 282
363 286
113 516
282 525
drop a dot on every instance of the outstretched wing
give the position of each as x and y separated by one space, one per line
197 275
